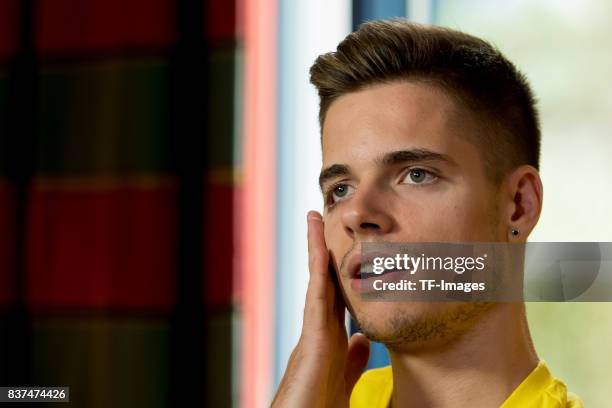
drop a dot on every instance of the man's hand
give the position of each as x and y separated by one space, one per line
324 366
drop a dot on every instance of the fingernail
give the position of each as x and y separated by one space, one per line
313 215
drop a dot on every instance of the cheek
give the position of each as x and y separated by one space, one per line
334 236
471 219
457 216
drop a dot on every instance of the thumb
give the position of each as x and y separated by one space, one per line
356 360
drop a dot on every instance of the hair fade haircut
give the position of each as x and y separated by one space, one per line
469 69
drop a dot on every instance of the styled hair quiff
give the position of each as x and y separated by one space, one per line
469 69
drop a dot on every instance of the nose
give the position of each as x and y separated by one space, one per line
367 213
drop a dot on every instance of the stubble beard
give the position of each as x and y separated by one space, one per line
430 329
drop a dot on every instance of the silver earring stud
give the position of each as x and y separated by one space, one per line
515 232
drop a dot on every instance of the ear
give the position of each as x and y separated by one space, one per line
525 202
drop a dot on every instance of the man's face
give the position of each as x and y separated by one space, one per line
398 166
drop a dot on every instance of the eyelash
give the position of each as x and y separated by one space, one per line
432 173
329 192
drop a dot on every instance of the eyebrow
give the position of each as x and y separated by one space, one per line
332 172
414 155
389 159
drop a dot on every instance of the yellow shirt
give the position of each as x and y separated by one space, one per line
540 389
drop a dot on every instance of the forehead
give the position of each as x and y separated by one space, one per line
394 116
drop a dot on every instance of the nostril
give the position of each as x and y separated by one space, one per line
368 225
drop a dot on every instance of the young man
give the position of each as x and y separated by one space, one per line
428 135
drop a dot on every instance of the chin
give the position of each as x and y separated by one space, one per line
417 325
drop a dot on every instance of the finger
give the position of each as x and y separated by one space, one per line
318 256
339 305
356 360
318 298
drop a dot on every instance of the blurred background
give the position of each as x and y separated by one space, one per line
158 157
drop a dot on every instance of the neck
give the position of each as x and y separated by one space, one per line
480 369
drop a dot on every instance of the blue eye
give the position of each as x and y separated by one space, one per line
419 176
340 192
